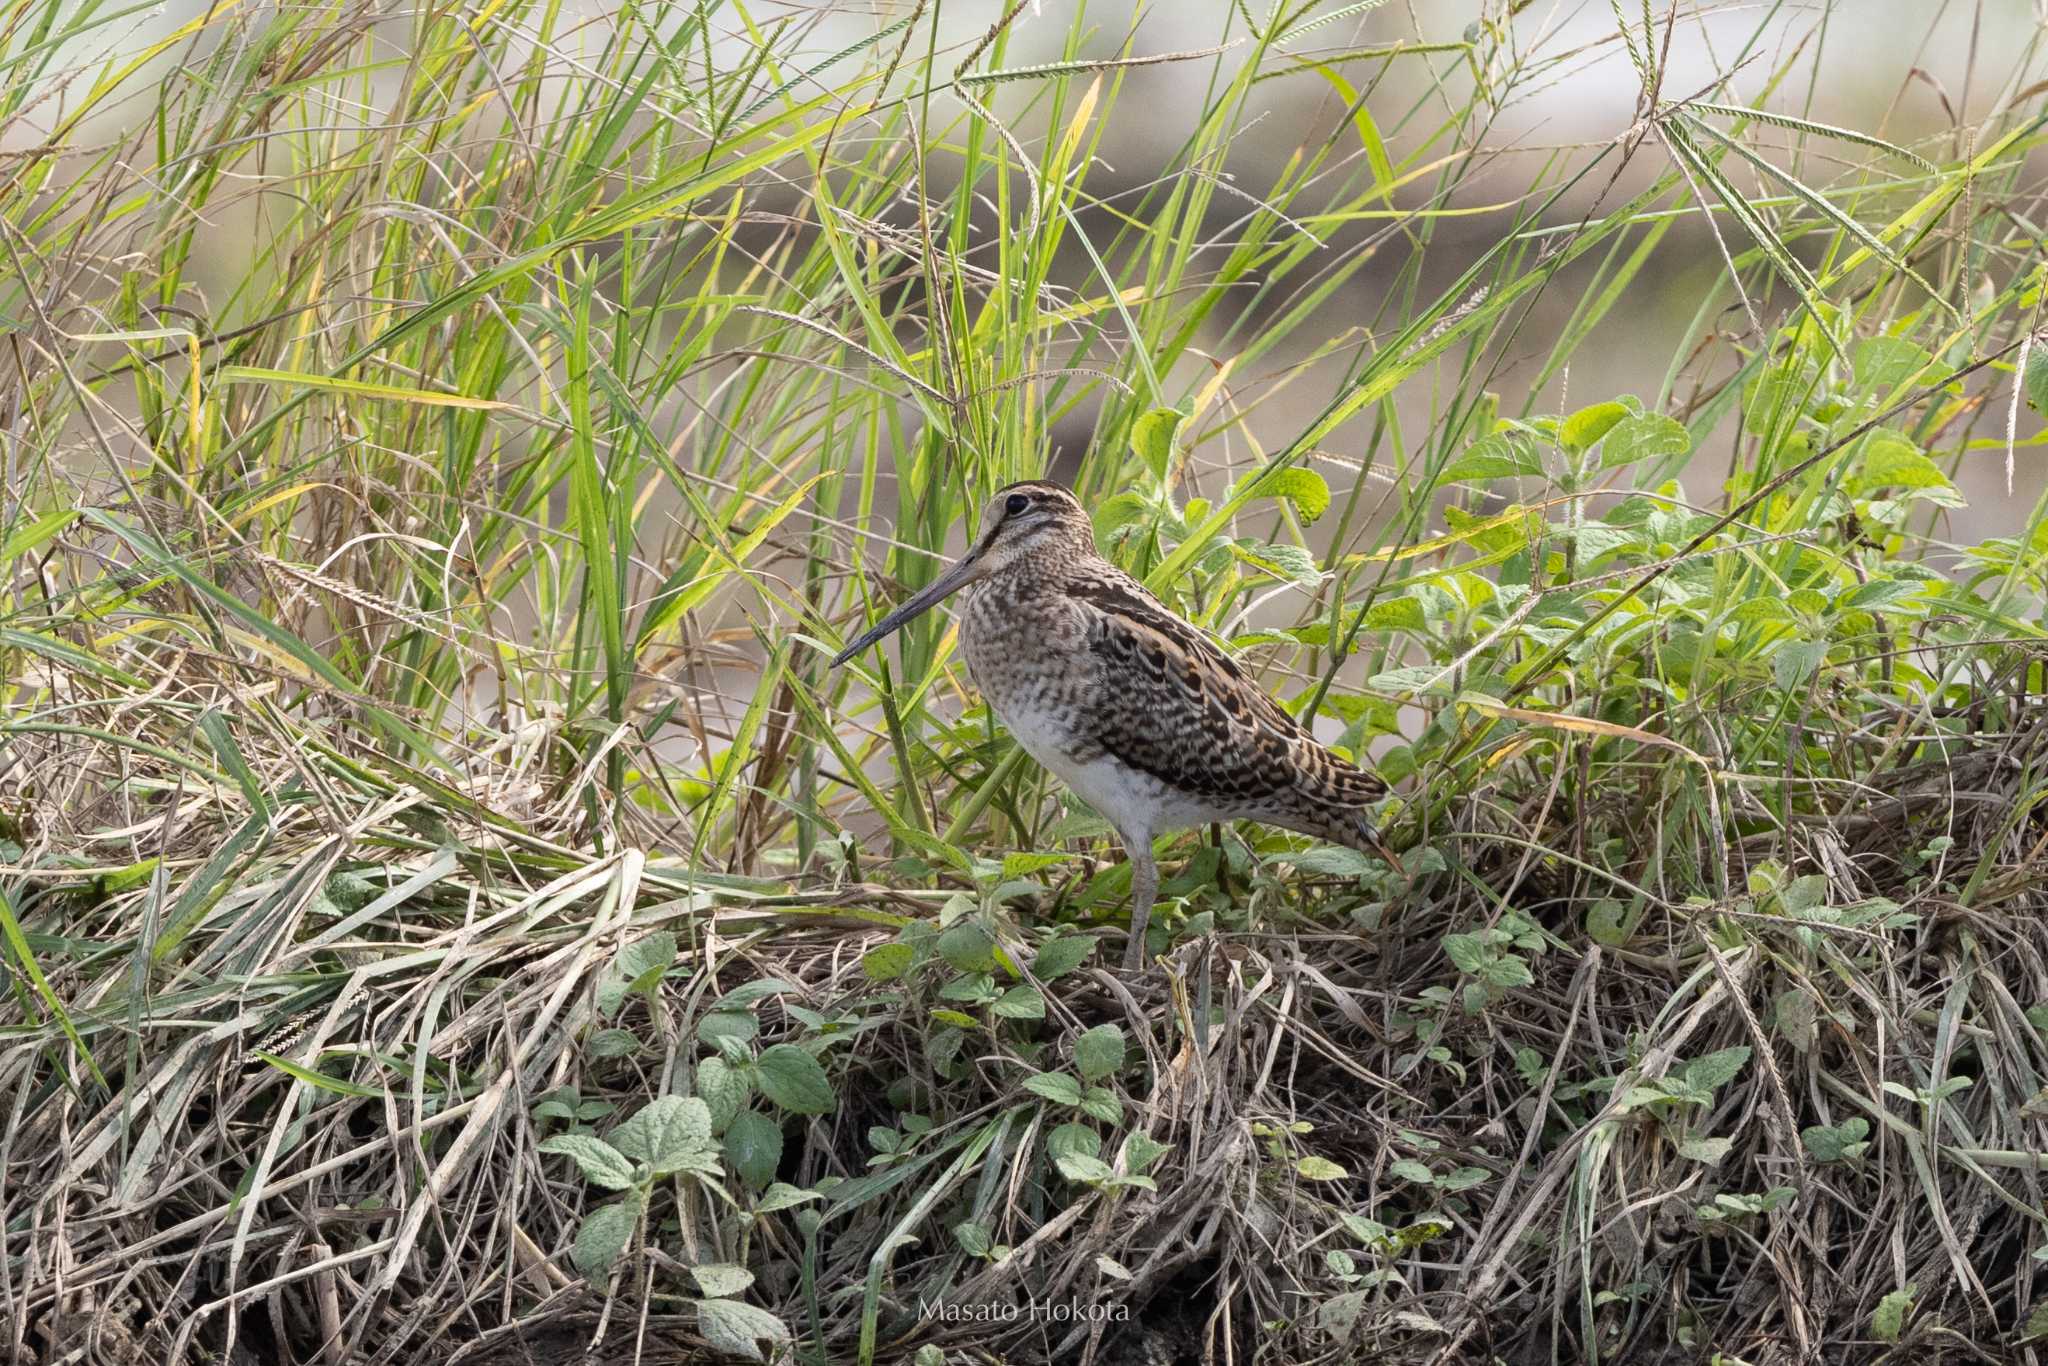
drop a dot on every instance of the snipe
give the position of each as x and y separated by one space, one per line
1152 724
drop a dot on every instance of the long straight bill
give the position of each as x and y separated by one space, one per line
934 593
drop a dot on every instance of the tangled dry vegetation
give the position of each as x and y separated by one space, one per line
1754 1124
449 913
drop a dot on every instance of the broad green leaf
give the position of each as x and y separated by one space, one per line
1795 661
1082 1167
1073 1138
722 1278
1807 602
1506 970
601 1163
1881 594
1284 561
1115 513
1891 460
887 962
724 1089
1606 923
1497 456
1338 1315
753 1145
1331 860
1884 364
736 1025
1058 957
1141 1150
1467 952
1307 490
1889 1322
1314 1168
2035 380
1708 1150
666 1133
1584 429
1025 864
1099 1102
614 1043
640 964
1098 1052
967 946
1054 1086
795 1080
1797 1017
1717 1069
1409 679
782 1195
1760 609
1397 614
605 1232
1152 438
1836 1142
1644 436
736 1327
1021 1003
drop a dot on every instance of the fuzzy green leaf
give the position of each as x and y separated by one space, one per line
1585 428
724 1089
668 1133
1021 1003
1099 1051
601 1163
887 962
1307 490
736 1327
1889 1322
605 1232
1058 957
1152 438
795 1080
1644 436
1054 1086
720 1279
753 1145
967 946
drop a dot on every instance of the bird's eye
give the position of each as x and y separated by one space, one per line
1016 505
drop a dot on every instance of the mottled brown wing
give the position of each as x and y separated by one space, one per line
1184 712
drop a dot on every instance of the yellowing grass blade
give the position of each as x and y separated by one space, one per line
387 393
1582 725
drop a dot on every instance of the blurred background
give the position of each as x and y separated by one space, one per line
1927 76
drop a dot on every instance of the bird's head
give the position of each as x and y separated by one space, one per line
1028 523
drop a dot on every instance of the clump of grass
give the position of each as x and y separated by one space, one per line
450 911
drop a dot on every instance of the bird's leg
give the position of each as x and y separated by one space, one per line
1144 888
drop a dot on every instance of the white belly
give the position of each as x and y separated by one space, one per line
1135 802
1030 678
